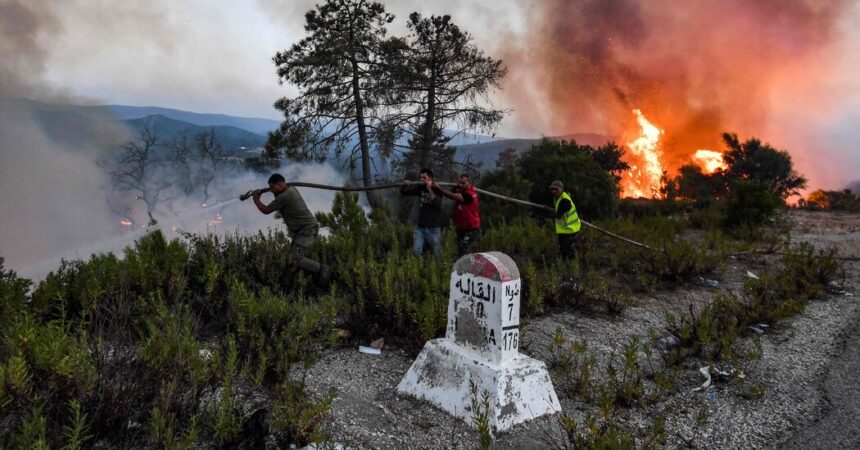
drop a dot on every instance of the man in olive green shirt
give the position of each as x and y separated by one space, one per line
301 224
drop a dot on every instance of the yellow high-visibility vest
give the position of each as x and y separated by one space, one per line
568 223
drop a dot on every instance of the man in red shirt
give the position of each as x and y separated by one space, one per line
466 214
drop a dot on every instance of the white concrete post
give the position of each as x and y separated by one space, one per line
481 346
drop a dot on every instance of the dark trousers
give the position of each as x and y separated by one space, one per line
567 245
465 240
302 240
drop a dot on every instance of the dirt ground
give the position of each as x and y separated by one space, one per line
806 373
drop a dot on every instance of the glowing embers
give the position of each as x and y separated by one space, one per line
709 160
646 167
216 220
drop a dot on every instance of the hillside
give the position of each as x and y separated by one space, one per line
255 125
76 126
83 126
233 140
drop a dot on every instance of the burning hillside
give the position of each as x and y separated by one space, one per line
670 77
645 157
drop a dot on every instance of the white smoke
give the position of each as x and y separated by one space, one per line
56 202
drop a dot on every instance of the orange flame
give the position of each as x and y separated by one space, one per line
125 222
709 160
644 150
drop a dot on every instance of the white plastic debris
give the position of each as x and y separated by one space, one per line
205 353
757 330
711 283
706 371
369 350
752 275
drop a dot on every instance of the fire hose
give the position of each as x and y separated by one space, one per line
377 187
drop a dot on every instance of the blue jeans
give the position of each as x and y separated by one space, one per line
432 236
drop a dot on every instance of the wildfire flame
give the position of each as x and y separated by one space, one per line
216 220
645 181
709 160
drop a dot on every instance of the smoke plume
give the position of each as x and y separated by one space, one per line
695 69
51 191
57 202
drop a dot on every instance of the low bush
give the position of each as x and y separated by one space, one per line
750 204
711 332
162 343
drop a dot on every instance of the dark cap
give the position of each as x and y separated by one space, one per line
556 184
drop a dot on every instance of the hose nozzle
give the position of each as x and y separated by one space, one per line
248 194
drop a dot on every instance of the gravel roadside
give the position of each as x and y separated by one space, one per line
806 370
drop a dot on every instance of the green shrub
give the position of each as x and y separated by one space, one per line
13 294
596 435
571 366
712 331
480 405
227 423
296 418
750 204
805 273
508 182
75 434
593 188
625 376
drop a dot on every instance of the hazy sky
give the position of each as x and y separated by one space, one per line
206 55
215 56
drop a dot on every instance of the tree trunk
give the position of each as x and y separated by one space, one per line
364 147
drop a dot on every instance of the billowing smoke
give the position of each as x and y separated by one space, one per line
695 69
57 200
52 190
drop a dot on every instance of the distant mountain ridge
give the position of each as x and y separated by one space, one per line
232 139
72 124
253 124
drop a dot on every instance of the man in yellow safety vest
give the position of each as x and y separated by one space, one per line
567 222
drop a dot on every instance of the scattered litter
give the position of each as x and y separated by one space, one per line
706 371
711 394
752 275
711 283
378 344
757 330
849 294
369 350
205 353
